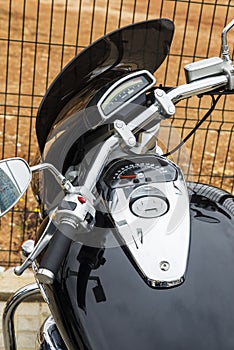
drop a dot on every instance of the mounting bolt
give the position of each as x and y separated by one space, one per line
171 110
164 265
131 141
159 92
119 124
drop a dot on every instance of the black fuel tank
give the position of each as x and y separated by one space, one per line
100 301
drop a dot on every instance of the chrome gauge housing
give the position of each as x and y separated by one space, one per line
147 198
123 92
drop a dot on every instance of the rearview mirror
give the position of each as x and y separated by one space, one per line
15 176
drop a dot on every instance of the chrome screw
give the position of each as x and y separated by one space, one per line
159 93
131 141
164 265
171 110
119 124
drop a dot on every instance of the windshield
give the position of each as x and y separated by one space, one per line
142 45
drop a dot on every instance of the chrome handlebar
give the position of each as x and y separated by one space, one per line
197 88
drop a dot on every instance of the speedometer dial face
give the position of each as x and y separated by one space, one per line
139 170
124 91
128 171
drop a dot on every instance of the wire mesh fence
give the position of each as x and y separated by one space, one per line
39 37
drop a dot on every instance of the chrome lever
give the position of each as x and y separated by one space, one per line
39 247
225 49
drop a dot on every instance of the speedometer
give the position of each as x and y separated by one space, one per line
124 91
141 170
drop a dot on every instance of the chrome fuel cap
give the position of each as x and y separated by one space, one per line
148 202
149 206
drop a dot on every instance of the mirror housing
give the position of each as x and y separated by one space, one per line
15 176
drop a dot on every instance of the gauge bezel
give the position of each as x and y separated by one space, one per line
119 83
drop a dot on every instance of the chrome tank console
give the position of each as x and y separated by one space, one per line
148 201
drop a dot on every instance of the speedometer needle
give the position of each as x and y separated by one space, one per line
133 176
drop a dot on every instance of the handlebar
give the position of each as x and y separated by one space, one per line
54 256
197 88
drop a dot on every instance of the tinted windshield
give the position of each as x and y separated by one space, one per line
142 45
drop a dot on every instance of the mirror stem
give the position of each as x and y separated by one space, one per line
66 184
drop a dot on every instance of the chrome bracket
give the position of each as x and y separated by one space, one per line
125 132
164 102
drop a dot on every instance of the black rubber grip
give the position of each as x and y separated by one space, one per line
57 250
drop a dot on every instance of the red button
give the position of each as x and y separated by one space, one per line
81 199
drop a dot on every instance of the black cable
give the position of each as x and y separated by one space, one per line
195 128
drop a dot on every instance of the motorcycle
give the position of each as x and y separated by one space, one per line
129 255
